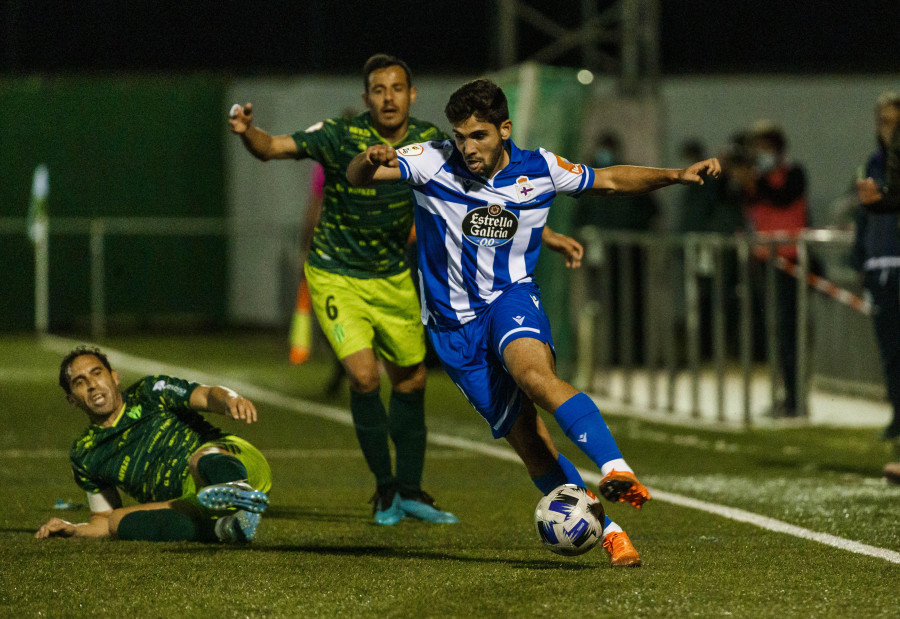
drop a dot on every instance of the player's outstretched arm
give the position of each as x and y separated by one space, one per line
624 180
223 401
259 143
571 249
97 526
377 164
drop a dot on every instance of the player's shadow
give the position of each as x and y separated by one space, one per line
295 512
396 553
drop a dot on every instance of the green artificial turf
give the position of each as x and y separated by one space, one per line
318 554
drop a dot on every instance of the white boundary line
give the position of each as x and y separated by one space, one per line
146 366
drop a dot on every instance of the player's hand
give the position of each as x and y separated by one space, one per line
867 191
572 250
241 409
240 118
382 155
695 173
56 527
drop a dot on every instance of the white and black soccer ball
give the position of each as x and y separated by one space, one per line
569 520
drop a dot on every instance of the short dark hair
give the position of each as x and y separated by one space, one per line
693 149
383 61
767 131
480 98
67 361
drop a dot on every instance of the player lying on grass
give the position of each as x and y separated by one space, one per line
481 204
149 442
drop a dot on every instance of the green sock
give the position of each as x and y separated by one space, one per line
407 424
218 468
370 422
162 525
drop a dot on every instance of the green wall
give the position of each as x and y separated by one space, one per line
124 146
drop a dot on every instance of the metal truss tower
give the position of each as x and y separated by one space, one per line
617 37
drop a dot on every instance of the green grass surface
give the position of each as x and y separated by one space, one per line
318 554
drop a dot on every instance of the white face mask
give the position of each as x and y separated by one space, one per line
766 161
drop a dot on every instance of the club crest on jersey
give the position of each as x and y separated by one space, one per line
525 190
490 226
412 150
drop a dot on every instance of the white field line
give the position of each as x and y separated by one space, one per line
147 366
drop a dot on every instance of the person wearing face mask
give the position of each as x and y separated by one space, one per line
877 246
775 203
634 213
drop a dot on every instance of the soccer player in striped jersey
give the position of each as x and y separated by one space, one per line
481 205
361 289
149 442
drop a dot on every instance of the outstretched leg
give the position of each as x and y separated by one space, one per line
531 364
550 469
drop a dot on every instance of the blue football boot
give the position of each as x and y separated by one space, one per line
386 507
237 494
237 528
419 504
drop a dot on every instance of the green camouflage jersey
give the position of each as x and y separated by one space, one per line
145 453
363 230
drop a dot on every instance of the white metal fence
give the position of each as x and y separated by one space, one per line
646 306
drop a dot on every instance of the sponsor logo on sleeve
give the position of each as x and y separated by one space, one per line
490 226
315 127
412 150
574 168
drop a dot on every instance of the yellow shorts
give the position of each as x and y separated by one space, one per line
259 475
380 313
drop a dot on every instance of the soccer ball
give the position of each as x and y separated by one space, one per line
569 520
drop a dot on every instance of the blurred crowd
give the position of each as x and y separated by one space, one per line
763 192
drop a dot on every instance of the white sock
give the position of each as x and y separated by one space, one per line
612 527
618 464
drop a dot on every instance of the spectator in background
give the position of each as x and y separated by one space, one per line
638 213
775 202
712 208
877 244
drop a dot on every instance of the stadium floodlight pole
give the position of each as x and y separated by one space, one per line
38 232
98 269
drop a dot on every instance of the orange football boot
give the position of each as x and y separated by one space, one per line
623 487
621 551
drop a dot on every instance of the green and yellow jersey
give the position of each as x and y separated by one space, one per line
363 230
145 452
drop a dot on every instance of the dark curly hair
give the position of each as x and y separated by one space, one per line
481 98
383 61
66 364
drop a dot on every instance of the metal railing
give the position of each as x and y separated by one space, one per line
97 229
669 269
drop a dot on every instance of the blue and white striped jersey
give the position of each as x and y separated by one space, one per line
477 236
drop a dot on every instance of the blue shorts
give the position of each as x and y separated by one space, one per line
472 354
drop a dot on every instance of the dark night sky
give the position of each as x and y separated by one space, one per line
315 36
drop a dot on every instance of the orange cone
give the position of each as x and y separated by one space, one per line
301 327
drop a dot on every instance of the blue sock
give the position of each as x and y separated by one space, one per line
582 422
564 473
547 482
572 474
